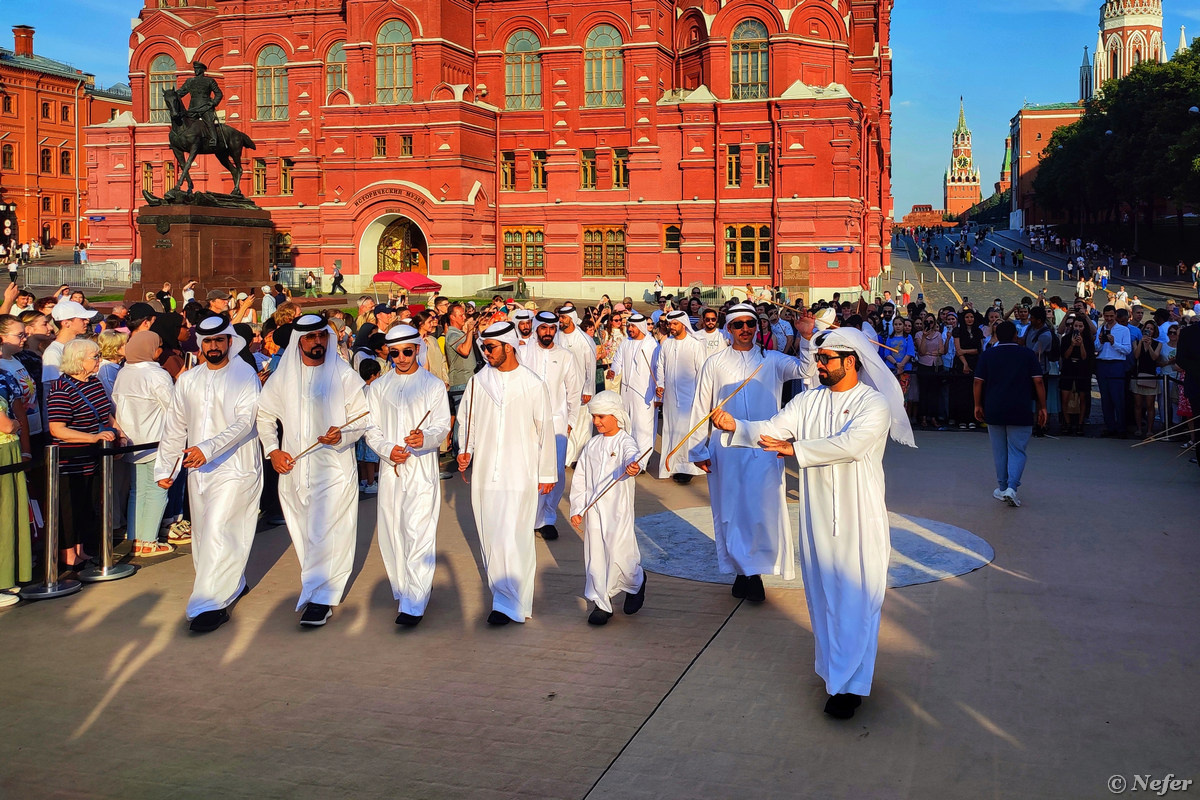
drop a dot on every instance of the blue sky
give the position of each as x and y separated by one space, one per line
997 54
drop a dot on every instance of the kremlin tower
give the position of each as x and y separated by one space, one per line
961 183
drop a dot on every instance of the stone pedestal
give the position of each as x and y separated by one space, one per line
219 248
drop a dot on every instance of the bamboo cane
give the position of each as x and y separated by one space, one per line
1161 435
696 427
588 507
315 445
395 465
467 444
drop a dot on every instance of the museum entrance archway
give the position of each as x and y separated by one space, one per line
402 248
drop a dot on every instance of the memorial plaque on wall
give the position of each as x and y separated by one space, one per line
793 275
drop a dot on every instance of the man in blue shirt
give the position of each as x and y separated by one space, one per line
1113 346
1006 377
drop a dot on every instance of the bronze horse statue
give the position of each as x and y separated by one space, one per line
189 138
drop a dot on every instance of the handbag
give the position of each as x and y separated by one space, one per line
1074 403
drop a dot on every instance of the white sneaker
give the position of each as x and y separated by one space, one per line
998 494
371 488
1010 497
7 599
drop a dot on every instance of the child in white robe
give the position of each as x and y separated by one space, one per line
612 560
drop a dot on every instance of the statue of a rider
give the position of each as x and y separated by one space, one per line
203 97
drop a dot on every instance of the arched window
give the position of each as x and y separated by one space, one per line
7 158
162 76
66 232
335 68
64 162
47 164
270 74
394 63
748 61
603 68
523 71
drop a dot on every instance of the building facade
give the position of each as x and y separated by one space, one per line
1131 31
586 148
960 184
44 107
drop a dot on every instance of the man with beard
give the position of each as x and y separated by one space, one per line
524 319
745 485
837 434
714 339
555 366
410 493
633 366
583 348
680 357
213 411
506 427
312 393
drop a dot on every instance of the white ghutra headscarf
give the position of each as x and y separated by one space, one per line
873 372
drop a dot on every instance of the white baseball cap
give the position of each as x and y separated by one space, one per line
69 309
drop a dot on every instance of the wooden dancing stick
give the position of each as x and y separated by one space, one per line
396 466
315 445
696 427
1162 435
467 443
588 507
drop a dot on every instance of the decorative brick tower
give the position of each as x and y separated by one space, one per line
961 184
1005 182
1130 33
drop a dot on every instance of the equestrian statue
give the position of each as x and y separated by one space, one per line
195 132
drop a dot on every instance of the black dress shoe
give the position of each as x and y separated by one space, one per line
841 706
599 616
315 615
681 479
209 621
548 532
739 586
754 589
498 618
412 620
633 602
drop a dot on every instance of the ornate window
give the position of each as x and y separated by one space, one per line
749 63
46 111
603 68
281 249
524 252
587 170
162 76
335 68
147 177
168 175
66 205
537 170
66 232
47 204
672 238
258 182
285 175
406 145
733 165
604 252
271 83
47 161
747 251
508 171
8 159
8 104
394 63
66 114
380 150
762 165
64 162
620 169
523 71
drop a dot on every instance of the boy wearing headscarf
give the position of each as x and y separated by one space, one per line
312 394
837 434
612 560
209 431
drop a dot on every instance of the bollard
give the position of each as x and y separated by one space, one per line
1143 270
1160 270
107 571
1031 276
1046 277
52 587
968 277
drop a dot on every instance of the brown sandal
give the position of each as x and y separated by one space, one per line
153 550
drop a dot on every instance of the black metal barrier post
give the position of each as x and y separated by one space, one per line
52 587
107 570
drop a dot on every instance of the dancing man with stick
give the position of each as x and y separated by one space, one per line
313 394
745 485
410 416
509 436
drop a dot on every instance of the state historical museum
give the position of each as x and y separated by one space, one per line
587 147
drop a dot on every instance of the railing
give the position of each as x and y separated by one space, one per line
94 275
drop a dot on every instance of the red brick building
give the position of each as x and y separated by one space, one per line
960 184
44 106
588 148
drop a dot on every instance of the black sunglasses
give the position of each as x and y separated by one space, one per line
407 352
738 324
487 348
825 358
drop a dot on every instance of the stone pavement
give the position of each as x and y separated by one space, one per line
1069 659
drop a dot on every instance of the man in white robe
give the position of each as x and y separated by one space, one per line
210 431
524 319
612 560
556 367
312 393
676 372
583 348
745 485
824 320
837 434
506 428
410 489
633 368
715 340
